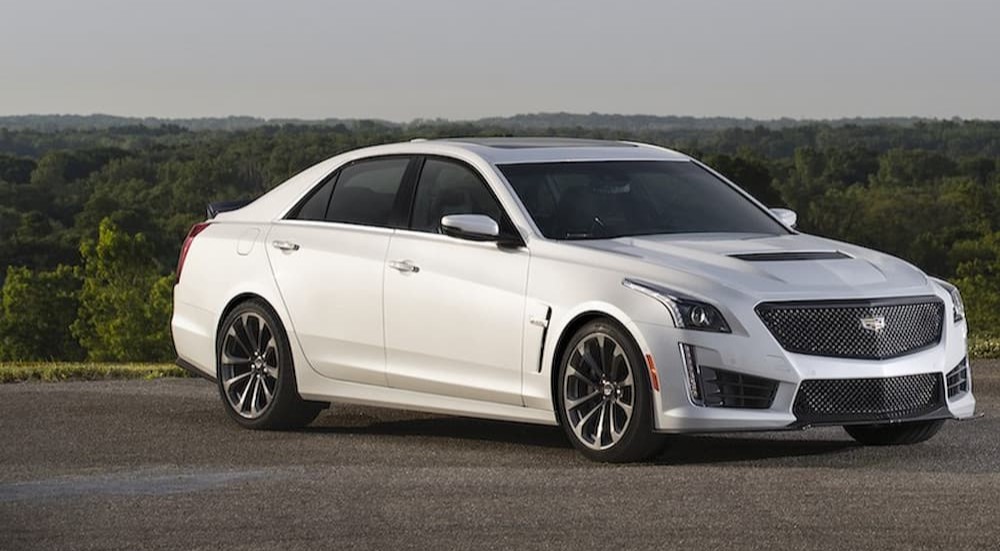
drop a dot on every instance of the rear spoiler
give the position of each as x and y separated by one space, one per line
226 206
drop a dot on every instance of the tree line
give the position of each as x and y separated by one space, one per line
91 219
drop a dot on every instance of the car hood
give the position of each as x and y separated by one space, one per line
774 265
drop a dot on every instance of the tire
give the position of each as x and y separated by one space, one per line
898 434
255 373
602 386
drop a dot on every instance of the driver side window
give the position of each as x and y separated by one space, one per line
447 187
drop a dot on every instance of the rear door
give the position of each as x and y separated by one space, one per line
454 309
328 258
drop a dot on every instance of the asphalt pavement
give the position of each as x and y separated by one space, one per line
157 464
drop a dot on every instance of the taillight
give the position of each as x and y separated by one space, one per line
194 231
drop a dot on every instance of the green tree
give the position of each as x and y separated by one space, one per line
124 303
37 310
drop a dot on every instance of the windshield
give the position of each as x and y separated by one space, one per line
607 199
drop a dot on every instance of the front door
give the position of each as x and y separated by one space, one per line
454 309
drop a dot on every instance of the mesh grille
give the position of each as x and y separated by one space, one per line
878 399
873 330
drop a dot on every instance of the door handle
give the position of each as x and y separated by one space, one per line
404 266
286 246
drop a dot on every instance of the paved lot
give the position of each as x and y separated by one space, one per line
156 464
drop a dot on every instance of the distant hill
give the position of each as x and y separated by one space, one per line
526 122
667 123
52 123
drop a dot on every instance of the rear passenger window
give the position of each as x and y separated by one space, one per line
366 191
314 208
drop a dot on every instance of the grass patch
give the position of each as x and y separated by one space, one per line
984 347
84 371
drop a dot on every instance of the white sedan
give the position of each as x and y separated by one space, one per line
620 290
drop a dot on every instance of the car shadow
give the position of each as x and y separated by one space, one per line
457 428
680 449
707 449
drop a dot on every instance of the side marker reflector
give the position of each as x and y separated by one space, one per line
654 377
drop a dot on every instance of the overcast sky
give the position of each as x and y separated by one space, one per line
401 60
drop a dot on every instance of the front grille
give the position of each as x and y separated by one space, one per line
876 399
866 329
729 389
958 379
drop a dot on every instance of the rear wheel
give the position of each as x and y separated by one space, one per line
896 434
604 397
256 377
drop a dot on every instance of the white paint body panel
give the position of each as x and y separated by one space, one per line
332 291
474 332
454 328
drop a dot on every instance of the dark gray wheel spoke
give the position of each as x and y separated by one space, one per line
598 391
243 333
227 383
575 403
608 348
587 364
230 359
265 340
233 337
267 390
585 376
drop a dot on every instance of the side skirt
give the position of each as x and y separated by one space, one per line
369 395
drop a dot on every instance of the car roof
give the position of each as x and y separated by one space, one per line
536 149
496 151
532 142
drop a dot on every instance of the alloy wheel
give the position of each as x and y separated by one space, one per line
598 391
249 365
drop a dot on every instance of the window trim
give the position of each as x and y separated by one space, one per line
509 236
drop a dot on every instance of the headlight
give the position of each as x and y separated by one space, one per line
687 313
957 304
958 307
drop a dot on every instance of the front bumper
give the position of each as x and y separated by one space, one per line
759 355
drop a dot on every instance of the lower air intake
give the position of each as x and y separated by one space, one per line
832 401
728 389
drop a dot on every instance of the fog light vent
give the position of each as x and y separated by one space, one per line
958 379
729 389
712 387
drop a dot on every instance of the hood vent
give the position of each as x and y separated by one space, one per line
790 256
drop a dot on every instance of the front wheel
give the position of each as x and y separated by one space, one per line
255 373
605 402
895 434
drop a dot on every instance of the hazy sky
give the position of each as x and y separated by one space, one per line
465 59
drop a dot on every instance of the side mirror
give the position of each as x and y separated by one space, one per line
475 227
787 216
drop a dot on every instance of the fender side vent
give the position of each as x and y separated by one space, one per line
790 256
